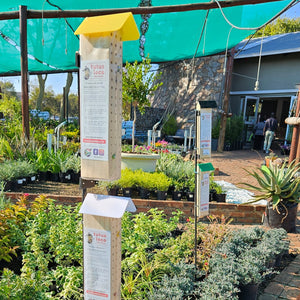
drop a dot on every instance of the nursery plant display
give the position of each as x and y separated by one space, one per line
280 186
42 243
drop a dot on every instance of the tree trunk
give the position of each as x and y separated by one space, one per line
40 97
64 101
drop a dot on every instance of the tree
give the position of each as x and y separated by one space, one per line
8 89
48 103
40 97
139 82
279 26
65 98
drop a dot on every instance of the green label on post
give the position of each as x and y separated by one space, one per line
206 167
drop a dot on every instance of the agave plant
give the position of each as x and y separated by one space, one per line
277 184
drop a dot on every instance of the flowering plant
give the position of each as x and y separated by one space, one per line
161 146
137 149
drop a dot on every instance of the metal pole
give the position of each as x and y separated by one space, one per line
196 187
24 71
197 173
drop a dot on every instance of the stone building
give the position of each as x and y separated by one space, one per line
187 81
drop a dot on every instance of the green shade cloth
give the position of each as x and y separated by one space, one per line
171 36
206 167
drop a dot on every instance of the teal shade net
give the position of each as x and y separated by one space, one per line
170 36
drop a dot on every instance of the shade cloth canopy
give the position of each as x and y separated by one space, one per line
171 36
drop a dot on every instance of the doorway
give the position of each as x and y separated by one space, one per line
257 108
280 106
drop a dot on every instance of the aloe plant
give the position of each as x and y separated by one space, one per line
277 184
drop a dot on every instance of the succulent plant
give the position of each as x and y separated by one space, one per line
277 184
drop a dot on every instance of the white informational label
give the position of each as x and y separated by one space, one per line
205 134
97 248
204 196
94 109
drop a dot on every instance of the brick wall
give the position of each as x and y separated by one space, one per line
240 214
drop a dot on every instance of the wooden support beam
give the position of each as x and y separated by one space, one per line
24 71
54 14
227 87
295 145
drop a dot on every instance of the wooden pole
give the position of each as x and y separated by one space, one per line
295 147
228 78
54 14
24 71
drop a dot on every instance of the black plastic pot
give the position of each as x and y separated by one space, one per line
112 191
54 177
282 217
127 192
248 292
220 197
190 196
75 177
177 195
212 195
43 176
65 177
10 185
144 193
161 195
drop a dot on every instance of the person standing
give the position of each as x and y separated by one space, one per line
270 127
258 132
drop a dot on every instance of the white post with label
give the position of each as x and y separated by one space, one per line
203 147
101 65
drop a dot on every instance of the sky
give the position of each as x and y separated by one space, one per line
293 12
56 82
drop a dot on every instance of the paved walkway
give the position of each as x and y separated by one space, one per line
286 285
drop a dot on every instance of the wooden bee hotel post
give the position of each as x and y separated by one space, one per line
101 63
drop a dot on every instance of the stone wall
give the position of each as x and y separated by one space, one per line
185 82
146 121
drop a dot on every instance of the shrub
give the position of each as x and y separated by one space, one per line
170 126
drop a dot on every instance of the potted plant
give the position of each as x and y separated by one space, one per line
127 182
161 184
144 183
271 157
43 164
112 187
215 135
70 169
138 157
178 190
280 186
191 190
215 191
